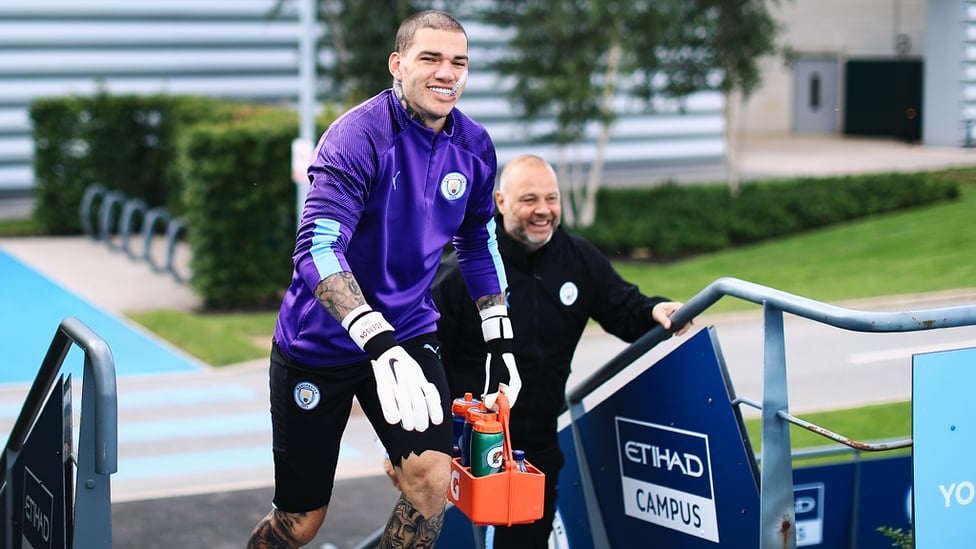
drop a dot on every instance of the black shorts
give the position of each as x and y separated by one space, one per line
309 411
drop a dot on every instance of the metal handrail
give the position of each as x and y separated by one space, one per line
777 521
839 317
100 364
99 431
827 433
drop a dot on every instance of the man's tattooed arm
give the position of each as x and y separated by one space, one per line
489 300
339 293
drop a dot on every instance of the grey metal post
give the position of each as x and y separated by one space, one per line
777 525
93 491
306 92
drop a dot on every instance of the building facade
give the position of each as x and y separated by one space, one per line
236 50
899 68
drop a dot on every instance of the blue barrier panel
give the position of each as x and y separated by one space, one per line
885 490
38 486
835 503
458 532
571 505
944 431
668 457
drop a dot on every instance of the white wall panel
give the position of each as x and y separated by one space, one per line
231 48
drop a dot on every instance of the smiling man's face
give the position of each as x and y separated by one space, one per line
429 76
528 199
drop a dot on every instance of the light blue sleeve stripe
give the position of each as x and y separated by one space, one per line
325 235
496 256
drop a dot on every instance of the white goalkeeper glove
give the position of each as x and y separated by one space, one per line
501 374
404 393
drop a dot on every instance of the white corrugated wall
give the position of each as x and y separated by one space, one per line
234 49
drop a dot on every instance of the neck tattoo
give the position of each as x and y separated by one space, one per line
402 97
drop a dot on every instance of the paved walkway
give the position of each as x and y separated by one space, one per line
817 155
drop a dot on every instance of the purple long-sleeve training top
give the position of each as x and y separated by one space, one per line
387 194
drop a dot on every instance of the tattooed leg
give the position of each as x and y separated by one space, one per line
279 530
409 528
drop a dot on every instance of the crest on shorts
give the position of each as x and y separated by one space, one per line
307 395
453 185
568 293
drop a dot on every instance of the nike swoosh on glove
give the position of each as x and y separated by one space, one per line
405 394
501 373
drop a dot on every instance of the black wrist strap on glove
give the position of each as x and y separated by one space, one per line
497 331
371 332
501 373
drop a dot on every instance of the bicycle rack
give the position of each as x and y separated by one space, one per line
117 215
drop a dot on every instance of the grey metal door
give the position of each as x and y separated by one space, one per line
815 108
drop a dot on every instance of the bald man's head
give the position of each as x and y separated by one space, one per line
528 199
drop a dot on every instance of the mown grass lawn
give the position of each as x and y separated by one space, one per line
922 250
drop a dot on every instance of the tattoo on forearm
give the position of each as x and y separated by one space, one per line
275 532
489 300
402 97
409 528
339 293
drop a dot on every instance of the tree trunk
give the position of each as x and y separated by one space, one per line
588 215
733 107
564 175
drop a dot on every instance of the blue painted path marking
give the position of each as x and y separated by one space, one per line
204 462
195 427
179 396
31 309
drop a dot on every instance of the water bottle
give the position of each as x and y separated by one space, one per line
459 414
487 447
519 457
474 414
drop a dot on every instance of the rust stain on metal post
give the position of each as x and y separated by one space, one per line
784 530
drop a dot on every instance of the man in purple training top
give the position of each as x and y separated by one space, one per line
392 182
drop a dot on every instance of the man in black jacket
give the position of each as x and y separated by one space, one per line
557 281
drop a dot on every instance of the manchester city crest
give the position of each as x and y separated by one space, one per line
568 293
307 395
454 185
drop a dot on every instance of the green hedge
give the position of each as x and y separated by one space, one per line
673 221
241 208
224 167
240 203
126 143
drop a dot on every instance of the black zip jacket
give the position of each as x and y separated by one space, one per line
552 293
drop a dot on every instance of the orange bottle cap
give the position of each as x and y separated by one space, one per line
475 413
461 405
487 426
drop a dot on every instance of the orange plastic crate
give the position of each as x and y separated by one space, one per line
504 498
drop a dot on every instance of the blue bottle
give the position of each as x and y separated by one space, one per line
459 415
519 457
